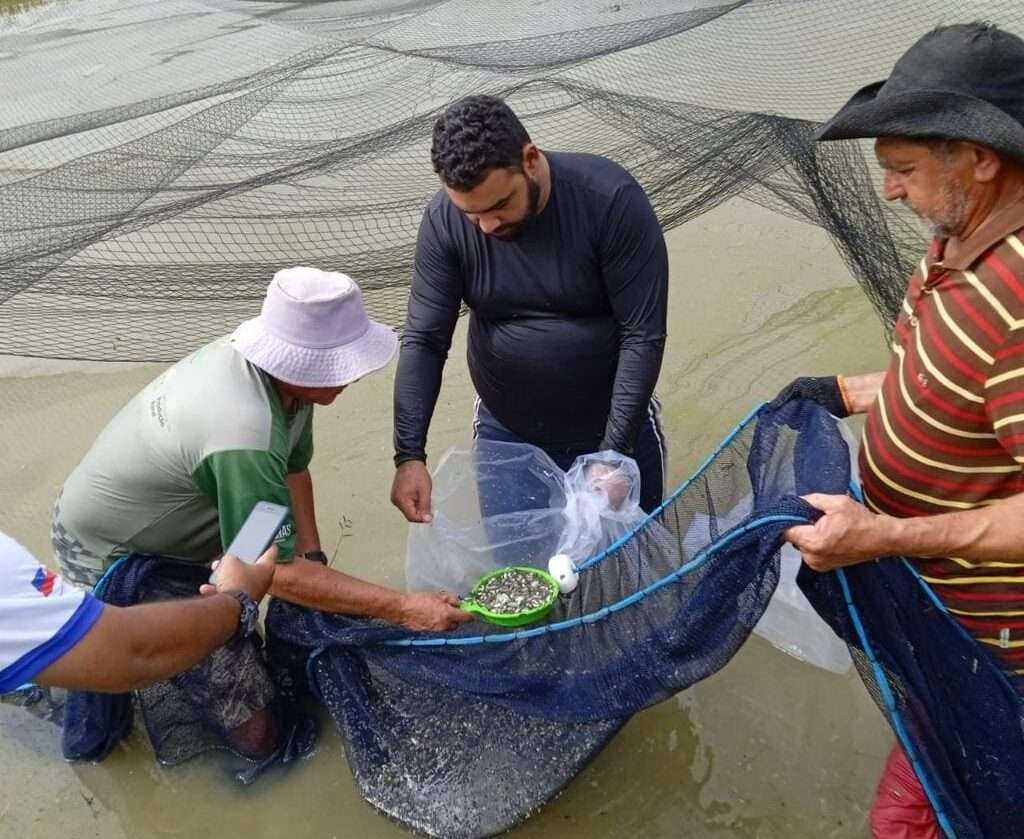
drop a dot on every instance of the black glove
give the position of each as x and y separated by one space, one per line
821 389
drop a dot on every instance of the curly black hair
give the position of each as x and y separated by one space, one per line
473 136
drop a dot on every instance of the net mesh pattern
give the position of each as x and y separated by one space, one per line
428 718
145 202
430 721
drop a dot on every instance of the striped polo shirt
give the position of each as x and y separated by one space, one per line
947 430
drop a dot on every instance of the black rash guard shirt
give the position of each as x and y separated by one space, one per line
567 320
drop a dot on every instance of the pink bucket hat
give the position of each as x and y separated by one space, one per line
314 332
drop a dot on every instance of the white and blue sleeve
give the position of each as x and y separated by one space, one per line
41 617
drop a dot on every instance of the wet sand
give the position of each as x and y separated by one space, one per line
769 748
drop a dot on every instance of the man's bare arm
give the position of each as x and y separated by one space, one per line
993 533
300 488
849 533
129 648
860 392
310 584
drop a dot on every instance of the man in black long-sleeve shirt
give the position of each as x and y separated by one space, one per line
563 266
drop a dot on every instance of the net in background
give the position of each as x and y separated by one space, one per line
145 202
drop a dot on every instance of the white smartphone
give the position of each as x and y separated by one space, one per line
256 533
259 531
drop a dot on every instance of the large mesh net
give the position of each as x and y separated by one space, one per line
425 718
464 734
145 201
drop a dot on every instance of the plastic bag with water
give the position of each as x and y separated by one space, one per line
501 504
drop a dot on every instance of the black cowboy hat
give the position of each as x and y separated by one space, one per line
963 82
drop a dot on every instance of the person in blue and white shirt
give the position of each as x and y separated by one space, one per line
54 634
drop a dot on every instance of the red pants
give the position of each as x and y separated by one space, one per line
901 809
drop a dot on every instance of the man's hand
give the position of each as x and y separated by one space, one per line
847 534
410 491
233 574
433 611
611 480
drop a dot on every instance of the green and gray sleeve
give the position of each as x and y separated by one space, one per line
236 479
302 452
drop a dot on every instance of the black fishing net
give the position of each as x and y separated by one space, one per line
464 734
146 200
198 710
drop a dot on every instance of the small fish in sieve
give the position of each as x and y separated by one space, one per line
513 591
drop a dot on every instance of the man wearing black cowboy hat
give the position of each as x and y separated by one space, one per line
942 456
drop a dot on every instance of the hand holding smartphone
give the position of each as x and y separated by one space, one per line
257 533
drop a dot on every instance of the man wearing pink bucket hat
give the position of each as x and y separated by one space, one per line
176 472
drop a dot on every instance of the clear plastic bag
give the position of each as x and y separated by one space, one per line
501 504
602 504
790 623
